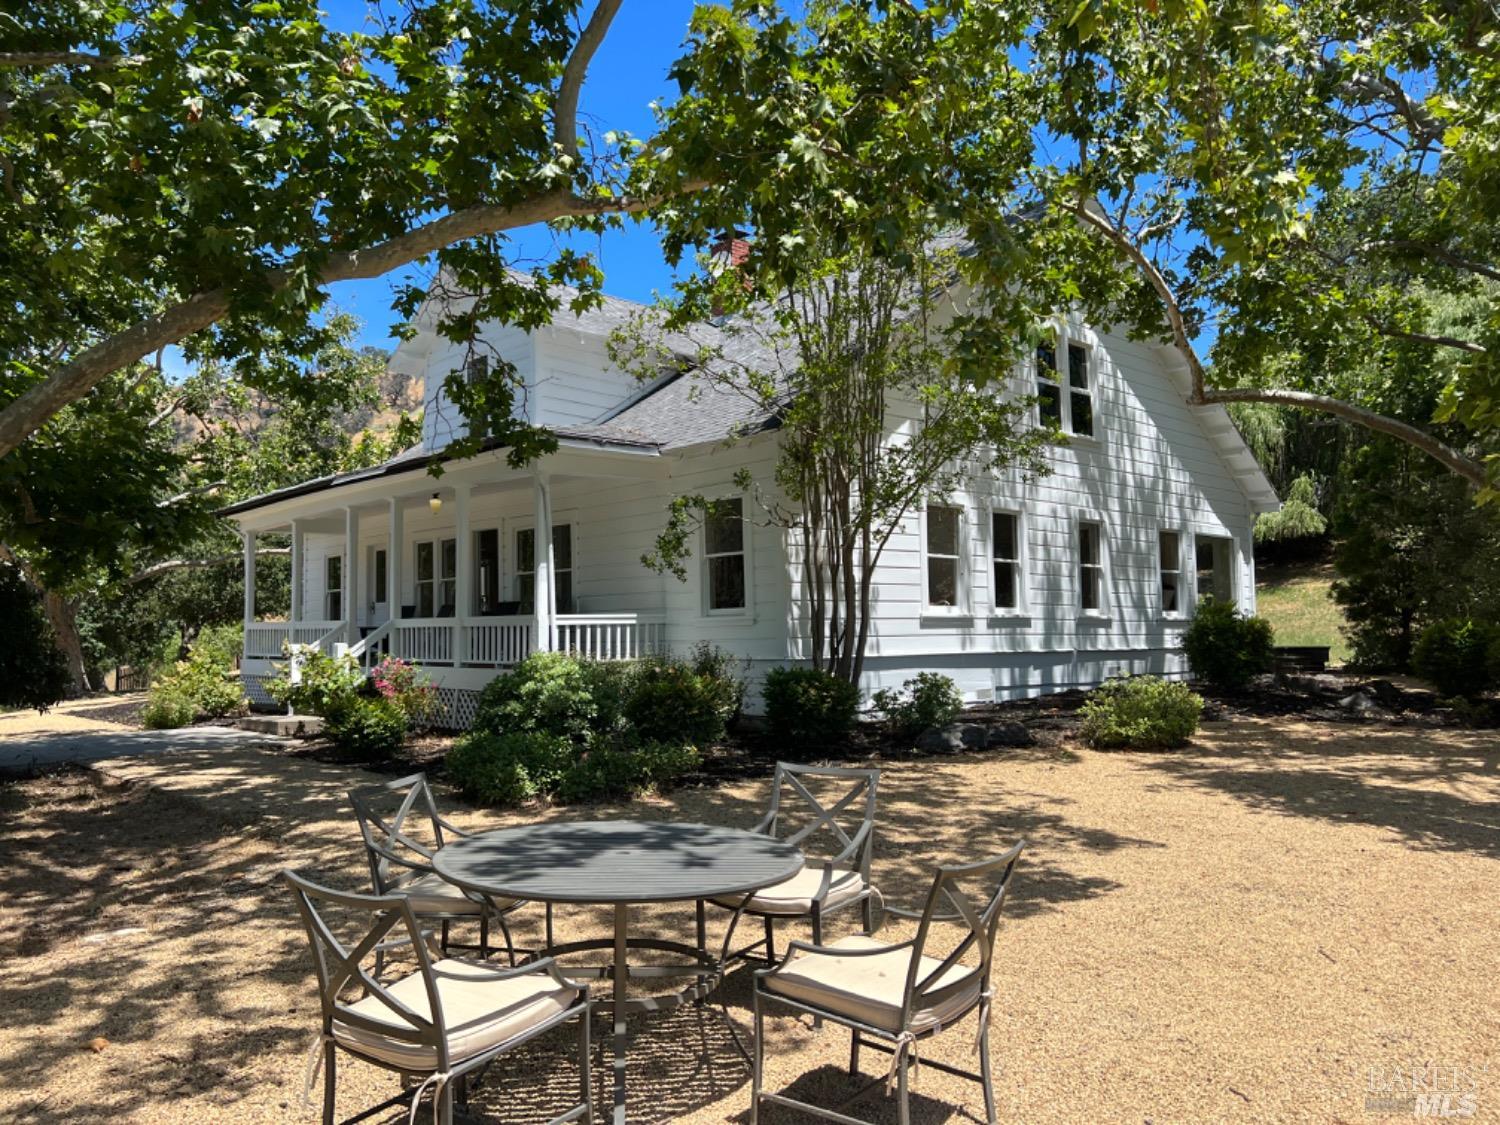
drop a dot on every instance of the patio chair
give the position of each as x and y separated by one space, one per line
402 865
442 1023
892 996
836 883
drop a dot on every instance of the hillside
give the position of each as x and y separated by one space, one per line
1296 599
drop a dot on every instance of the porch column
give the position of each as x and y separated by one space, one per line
393 591
299 564
351 575
542 641
249 579
463 580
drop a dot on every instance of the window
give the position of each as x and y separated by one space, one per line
1005 549
379 569
1169 567
1214 564
333 588
943 555
477 369
1090 568
487 570
562 568
724 555
1073 413
437 584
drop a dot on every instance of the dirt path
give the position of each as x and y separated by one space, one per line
1277 925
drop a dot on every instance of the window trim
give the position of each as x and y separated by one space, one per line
746 552
1234 561
1182 612
1022 608
1066 334
964 578
1106 603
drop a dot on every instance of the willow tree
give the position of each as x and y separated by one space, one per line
852 363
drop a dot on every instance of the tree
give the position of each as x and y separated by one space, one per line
181 173
33 670
873 415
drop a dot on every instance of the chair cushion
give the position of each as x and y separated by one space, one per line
432 894
794 896
870 988
479 1013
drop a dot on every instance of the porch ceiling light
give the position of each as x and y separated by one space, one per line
436 503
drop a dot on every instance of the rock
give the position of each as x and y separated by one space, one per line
1009 733
1386 693
1360 702
940 740
98 1043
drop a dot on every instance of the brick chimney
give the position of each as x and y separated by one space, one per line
730 249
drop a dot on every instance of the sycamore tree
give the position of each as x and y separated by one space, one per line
873 416
201 173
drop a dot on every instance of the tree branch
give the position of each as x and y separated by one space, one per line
1441 253
156 570
1424 338
565 109
66 58
1466 467
27 412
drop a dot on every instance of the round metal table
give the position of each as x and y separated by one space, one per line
622 863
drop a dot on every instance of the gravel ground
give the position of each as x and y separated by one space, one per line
1265 927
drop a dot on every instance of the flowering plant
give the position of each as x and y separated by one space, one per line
405 685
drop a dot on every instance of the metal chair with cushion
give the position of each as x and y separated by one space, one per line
442 1023
892 996
824 886
401 864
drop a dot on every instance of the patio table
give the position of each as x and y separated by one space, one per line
623 863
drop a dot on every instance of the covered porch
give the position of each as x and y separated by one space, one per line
450 572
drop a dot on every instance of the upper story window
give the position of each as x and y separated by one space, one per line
1070 408
942 548
1091 567
477 369
724 555
1005 548
1169 570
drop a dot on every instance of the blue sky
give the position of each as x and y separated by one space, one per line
628 73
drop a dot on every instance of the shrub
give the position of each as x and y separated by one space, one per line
409 688
202 684
611 771
1225 647
366 727
547 693
225 644
673 703
506 769
804 706
725 674
327 683
33 673
1143 712
1453 655
930 699
610 685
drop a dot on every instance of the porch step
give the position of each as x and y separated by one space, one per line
283 726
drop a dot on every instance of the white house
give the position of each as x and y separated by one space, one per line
1011 588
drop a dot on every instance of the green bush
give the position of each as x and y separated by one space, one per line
930 699
547 693
1143 713
1225 647
33 673
201 685
1453 655
725 675
327 683
615 771
672 703
610 684
806 707
366 727
506 769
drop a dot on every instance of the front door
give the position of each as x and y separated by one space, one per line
379 608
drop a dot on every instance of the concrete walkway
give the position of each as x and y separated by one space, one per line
70 734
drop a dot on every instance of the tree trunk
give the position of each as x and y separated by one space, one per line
62 615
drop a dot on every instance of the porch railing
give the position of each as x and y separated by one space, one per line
610 636
266 640
498 641
425 640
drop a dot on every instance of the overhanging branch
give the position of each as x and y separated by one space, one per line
156 570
